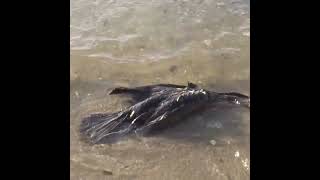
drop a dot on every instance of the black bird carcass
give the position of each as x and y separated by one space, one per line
154 108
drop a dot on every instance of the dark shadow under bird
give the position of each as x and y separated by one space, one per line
155 107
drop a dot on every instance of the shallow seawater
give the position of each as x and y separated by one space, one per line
139 42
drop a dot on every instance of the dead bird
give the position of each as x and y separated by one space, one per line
154 108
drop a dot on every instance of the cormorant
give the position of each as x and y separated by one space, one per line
155 107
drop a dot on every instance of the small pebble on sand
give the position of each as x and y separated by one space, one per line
213 142
245 164
107 172
237 154
76 93
207 42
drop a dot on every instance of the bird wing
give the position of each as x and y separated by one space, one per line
141 93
